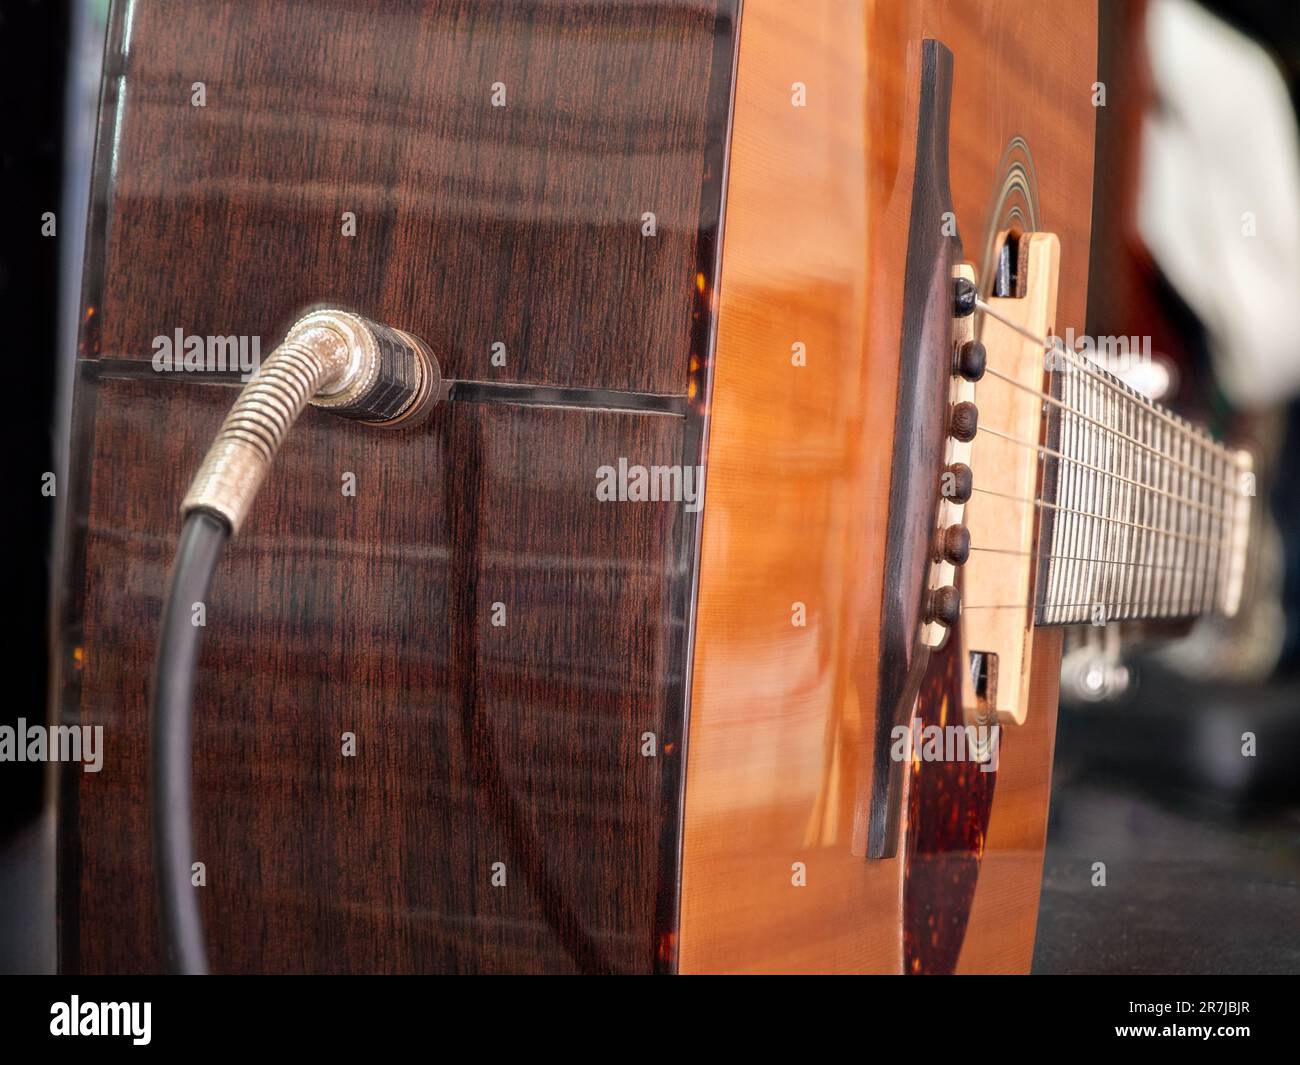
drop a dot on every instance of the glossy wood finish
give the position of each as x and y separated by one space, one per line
949 806
974 839
1004 911
475 224
921 427
371 614
475 743
814 252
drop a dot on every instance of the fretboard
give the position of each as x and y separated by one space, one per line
1142 514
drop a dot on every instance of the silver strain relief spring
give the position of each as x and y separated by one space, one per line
334 360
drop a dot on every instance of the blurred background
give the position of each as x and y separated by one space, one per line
1201 845
1196 245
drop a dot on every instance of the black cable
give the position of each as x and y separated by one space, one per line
202 539
367 371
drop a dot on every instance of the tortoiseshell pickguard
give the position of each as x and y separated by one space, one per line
948 808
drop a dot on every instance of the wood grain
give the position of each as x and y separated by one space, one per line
1004 523
475 224
921 413
814 251
372 615
521 744
476 744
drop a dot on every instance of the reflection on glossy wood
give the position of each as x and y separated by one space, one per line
525 226
372 615
949 803
1004 911
798 467
475 224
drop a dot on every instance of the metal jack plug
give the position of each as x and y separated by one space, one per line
334 360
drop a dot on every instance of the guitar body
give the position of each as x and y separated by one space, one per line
457 712
799 489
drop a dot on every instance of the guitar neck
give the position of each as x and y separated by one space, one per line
1142 513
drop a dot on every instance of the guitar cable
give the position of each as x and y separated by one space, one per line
329 359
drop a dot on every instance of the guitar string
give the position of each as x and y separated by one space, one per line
1204 565
1124 391
1099 517
1151 488
1183 607
1111 433
1164 535
1074 558
1186 601
1136 404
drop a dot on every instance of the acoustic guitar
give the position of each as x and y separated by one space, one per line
721 462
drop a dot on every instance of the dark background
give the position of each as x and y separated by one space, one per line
33 62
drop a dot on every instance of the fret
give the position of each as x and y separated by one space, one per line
1176 474
1107 532
1169 477
1184 549
1056 490
1048 569
1225 528
1145 500
1215 531
1214 528
1214 584
1221 545
1147 433
1161 475
1221 549
1066 527
1160 478
1095 505
1081 592
1115 533
1064 566
1074 542
1193 518
1171 474
1197 518
1128 507
1083 526
1139 517
1119 534
1203 525
1132 416
1182 526
1178 523
1072 593
1123 573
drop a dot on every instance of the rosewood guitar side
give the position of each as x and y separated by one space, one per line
497 813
